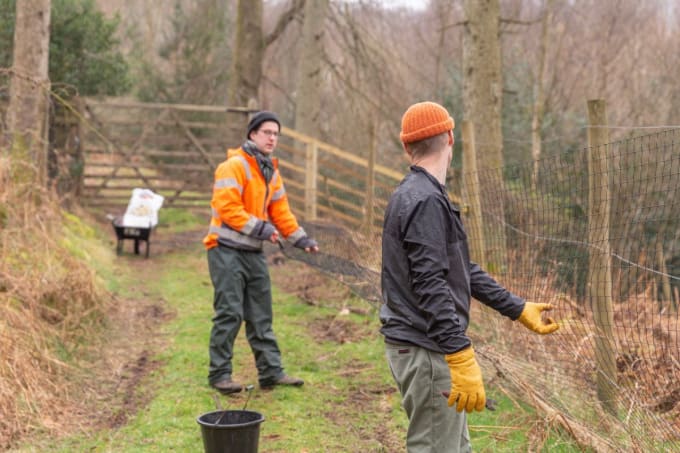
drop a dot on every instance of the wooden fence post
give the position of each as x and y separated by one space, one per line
667 292
79 145
311 178
599 260
370 180
471 193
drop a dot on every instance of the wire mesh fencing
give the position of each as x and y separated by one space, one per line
596 233
600 240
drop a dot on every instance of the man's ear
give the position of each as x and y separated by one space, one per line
406 149
451 137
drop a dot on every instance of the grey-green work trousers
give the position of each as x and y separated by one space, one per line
242 292
422 376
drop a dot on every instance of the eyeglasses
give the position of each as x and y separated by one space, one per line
269 133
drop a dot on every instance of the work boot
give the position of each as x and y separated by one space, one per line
284 380
227 386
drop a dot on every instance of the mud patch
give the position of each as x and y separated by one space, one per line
132 400
125 354
339 330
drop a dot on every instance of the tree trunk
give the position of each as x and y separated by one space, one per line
310 74
539 94
443 9
246 69
308 95
29 88
482 102
250 44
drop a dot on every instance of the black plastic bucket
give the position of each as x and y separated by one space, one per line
231 431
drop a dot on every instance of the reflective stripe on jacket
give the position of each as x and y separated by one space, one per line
242 200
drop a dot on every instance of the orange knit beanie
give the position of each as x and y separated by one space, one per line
424 120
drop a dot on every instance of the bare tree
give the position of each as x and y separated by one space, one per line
483 84
29 85
442 10
626 52
482 100
250 43
310 74
539 91
246 70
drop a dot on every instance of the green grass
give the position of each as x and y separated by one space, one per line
349 402
179 219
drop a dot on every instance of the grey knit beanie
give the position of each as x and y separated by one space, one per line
259 118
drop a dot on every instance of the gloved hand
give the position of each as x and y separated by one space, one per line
264 231
467 388
307 243
531 318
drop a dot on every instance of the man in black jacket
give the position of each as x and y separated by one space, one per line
427 282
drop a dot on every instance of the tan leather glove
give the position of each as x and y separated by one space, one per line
467 388
531 318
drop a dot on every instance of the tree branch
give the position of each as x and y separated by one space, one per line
285 18
453 25
519 22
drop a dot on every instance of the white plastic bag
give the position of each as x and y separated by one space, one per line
142 210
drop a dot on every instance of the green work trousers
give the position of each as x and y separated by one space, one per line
242 292
422 376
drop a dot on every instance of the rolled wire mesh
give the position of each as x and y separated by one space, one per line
347 256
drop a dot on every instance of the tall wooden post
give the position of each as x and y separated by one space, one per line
370 180
311 178
666 291
471 193
79 146
599 260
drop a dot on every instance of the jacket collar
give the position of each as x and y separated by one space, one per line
433 180
264 162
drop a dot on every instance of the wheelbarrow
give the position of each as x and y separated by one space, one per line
141 216
137 234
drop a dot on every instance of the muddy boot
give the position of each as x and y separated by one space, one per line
283 380
227 386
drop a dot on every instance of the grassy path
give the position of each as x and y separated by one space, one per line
348 404
348 398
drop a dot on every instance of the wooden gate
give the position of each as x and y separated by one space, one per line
168 148
174 149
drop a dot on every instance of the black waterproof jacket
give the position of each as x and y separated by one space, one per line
427 277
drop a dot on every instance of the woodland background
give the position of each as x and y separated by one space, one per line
344 72
525 67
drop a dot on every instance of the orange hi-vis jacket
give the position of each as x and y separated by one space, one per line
242 200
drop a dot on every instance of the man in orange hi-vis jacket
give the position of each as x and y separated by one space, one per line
249 206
